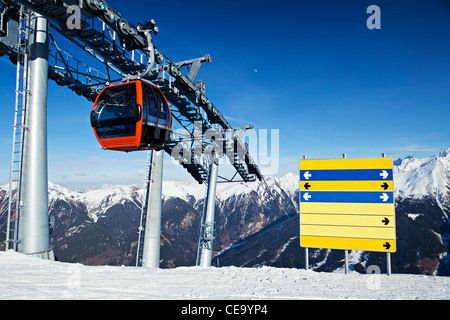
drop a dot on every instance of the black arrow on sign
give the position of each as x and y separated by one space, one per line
385 221
385 186
307 186
387 245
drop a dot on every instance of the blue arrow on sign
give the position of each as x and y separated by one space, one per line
347 196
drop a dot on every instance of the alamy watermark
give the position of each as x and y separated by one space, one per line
74 20
374 20
374 281
73 280
228 146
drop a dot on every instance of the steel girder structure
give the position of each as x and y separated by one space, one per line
126 52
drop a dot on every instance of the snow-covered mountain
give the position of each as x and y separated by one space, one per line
109 218
98 201
100 226
418 178
413 178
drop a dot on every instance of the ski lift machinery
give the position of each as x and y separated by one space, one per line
134 114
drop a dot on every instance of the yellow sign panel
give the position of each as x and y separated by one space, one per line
350 220
347 204
347 243
348 208
342 164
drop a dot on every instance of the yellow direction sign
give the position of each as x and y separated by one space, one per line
347 204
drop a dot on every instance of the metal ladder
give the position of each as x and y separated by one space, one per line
140 247
14 204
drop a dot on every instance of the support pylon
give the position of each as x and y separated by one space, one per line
152 238
34 233
205 246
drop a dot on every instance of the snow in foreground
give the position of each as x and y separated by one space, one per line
25 277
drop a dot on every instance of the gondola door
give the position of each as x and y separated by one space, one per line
157 118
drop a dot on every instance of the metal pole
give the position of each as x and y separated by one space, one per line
306 258
346 261
388 263
306 249
388 254
151 252
33 233
344 156
207 234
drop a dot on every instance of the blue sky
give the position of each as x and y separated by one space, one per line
311 69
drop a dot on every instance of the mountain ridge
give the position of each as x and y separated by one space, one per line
412 178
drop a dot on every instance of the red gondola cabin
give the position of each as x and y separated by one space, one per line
131 116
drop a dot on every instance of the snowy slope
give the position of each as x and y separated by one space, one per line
32 278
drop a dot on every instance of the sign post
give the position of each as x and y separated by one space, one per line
347 204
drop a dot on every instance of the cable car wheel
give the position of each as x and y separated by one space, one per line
124 28
100 8
109 15
131 116
90 4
